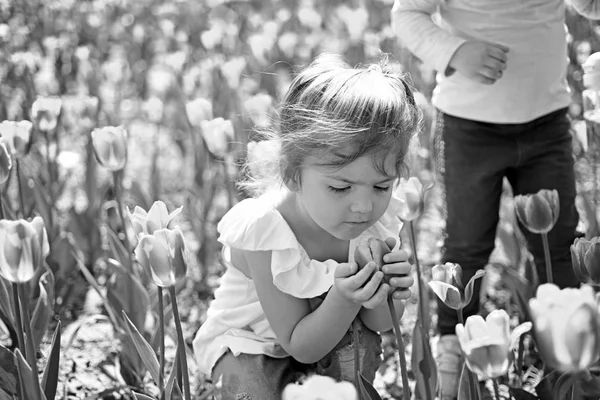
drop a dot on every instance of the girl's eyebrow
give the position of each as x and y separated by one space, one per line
345 180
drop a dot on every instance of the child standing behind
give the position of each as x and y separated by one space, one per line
502 100
291 291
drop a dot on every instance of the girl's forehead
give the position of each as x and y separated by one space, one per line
369 165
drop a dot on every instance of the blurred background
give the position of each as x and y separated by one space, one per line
189 80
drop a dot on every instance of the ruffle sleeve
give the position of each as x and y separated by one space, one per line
255 225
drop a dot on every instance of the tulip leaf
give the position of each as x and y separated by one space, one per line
8 372
140 396
510 245
131 366
144 349
563 385
521 394
42 206
423 364
464 386
118 250
6 309
470 284
50 376
367 390
138 195
44 308
520 289
589 208
27 378
171 384
125 292
6 396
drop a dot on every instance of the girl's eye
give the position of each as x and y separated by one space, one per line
339 190
382 189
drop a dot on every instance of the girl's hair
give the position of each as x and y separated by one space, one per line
337 114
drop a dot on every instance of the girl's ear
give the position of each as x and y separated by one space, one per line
292 184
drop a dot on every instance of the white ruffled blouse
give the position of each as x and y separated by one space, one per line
235 319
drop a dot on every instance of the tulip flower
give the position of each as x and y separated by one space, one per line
317 387
566 326
17 136
45 111
146 223
232 71
258 108
199 110
585 255
410 193
163 255
5 163
487 344
217 134
23 247
538 212
447 285
110 146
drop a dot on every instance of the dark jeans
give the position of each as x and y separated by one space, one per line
474 158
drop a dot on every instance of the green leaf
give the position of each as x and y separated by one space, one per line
125 292
50 376
510 244
589 208
140 396
8 372
464 387
44 308
470 284
118 250
171 384
6 308
520 289
423 365
144 349
42 206
367 390
563 385
26 377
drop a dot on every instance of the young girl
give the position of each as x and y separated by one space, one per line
289 299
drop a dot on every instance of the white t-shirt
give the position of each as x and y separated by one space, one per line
534 82
235 319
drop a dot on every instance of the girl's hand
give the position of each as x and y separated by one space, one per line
398 269
362 287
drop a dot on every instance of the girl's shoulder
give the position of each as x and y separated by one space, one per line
254 224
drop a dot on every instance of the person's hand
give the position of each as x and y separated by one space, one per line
397 269
481 61
362 287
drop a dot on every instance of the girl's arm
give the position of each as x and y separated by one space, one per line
378 319
587 8
412 24
305 334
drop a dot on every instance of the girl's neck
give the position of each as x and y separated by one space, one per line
319 244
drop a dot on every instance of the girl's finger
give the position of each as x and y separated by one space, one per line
401 268
359 278
395 256
344 270
367 291
402 294
402 281
378 297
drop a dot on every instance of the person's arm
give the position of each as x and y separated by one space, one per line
587 8
305 334
412 23
379 319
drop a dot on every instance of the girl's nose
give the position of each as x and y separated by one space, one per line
362 206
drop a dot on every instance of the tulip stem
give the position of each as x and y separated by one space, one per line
549 278
355 344
51 180
470 375
422 305
20 186
401 351
31 353
1 206
496 389
181 343
19 327
161 317
118 179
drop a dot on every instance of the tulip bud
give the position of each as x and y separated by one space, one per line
232 71
199 110
585 255
17 136
217 134
146 223
410 193
110 146
45 111
566 327
23 247
446 283
316 387
163 256
258 108
5 162
538 212
487 344
372 249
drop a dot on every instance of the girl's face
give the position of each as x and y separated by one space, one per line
346 201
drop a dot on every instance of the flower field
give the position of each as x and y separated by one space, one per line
124 125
